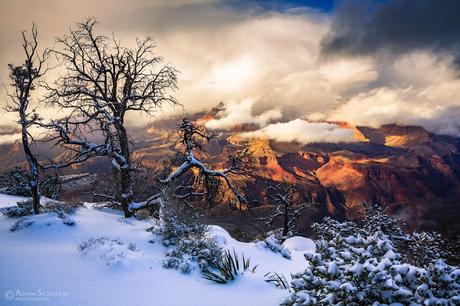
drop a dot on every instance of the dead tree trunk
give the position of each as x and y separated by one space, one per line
287 198
102 83
286 220
23 79
126 187
33 166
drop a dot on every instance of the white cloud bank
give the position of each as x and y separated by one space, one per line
435 107
226 54
236 113
9 138
304 132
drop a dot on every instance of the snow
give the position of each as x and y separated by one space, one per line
41 220
42 264
69 177
300 244
10 200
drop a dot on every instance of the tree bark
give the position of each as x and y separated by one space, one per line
126 188
35 199
33 166
286 220
126 192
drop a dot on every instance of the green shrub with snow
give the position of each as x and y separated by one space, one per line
185 236
24 208
50 205
274 243
45 219
17 182
111 251
21 209
419 249
426 248
330 228
375 220
52 212
352 267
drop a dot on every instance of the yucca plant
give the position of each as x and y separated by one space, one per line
227 268
277 279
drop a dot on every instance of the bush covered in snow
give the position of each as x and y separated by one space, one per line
16 182
87 245
50 205
185 236
419 249
352 267
45 219
375 220
330 228
111 251
274 243
426 247
24 208
50 186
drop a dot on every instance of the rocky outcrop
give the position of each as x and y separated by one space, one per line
405 168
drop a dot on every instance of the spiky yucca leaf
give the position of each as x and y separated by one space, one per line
277 279
227 268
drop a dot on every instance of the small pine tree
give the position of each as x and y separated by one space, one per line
426 248
330 228
50 186
375 219
16 182
353 267
185 235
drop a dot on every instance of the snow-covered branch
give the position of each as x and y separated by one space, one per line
193 139
102 82
23 81
289 205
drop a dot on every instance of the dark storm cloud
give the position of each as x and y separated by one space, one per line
398 26
281 6
264 57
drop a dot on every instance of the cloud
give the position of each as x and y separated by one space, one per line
9 134
364 27
436 108
390 64
7 130
223 53
304 132
250 58
240 113
9 138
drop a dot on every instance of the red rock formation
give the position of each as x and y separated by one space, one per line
406 168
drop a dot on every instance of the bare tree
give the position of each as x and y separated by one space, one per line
103 82
24 78
288 199
193 139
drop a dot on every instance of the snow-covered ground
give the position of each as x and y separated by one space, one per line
10 200
41 265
